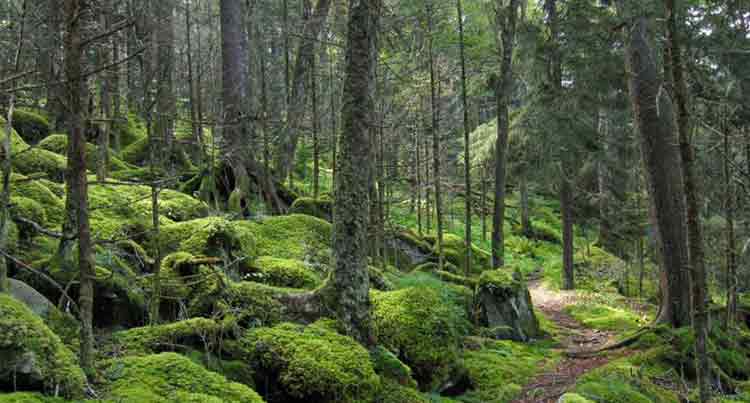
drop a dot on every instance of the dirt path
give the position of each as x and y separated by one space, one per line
548 386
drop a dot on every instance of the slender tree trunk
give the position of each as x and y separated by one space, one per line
350 280
165 99
195 124
696 254
655 123
418 168
74 18
483 202
305 53
467 143
506 25
525 210
566 201
435 129
264 102
102 167
731 247
316 125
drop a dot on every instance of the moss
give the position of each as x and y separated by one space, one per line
574 398
30 125
321 208
35 190
130 130
253 304
454 250
501 281
456 279
603 317
622 382
388 366
151 339
422 326
29 397
22 332
499 369
35 160
170 377
137 152
22 207
234 370
294 236
58 143
392 392
210 236
282 273
312 362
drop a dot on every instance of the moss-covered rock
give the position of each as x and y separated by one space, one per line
130 130
252 304
321 208
388 366
311 363
170 377
574 398
29 209
29 397
392 392
30 125
201 333
454 250
294 236
422 326
282 273
407 249
35 160
32 356
58 143
210 236
505 305
136 153
53 205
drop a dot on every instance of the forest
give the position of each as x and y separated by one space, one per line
374 201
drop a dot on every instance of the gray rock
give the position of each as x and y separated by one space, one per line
30 297
505 307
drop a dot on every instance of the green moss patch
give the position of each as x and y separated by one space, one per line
28 397
311 363
295 236
282 273
498 370
30 125
321 208
152 339
603 317
423 326
170 377
58 143
24 338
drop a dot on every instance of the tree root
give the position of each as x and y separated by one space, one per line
628 341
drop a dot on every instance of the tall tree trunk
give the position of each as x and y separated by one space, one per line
195 125
483 202
418 168
505 21
305 53
692 204
526 228
566 207
656 128
467 143
74 18
731 247
165 99
316 125
435 129
105 100
350 279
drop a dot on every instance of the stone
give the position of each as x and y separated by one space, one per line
505 307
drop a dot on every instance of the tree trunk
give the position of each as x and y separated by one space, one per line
526 228
505 21
316 125
350 280
692 204
165 99
467 143
655 123
731 247
435 129
195 124
305 53
105 100
418 168
566 206
78 187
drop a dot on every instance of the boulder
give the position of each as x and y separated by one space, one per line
408 249
505 306
33 299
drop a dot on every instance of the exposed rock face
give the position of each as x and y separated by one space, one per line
32 298
408 249
505 306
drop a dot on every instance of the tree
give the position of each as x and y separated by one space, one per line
505 33
655 123
77 186
467 142
350 279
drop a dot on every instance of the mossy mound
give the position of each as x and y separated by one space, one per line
504 306
153 339
282 273
28 397
603 317
189 282
30 125
210 236
616 383
574 398
32 357
58 143
29 160
251 304
118 211
423 326
137 152
26 188
311 363
454 251
130 130
392 392
498 370
321 208
294 236
29 209
388 366
170 377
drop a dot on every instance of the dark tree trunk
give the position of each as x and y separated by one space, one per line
467 144
435 130
655 123
165 99
305 53
506 24
350 279
692 203
566 207
78 186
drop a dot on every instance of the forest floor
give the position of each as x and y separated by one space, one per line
574 338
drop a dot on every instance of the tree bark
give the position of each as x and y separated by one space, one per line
165 98
467 143
655 124
692 203
505 21
305 53
435 130
566 207
349 282
78 186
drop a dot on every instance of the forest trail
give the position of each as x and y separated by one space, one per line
548 386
